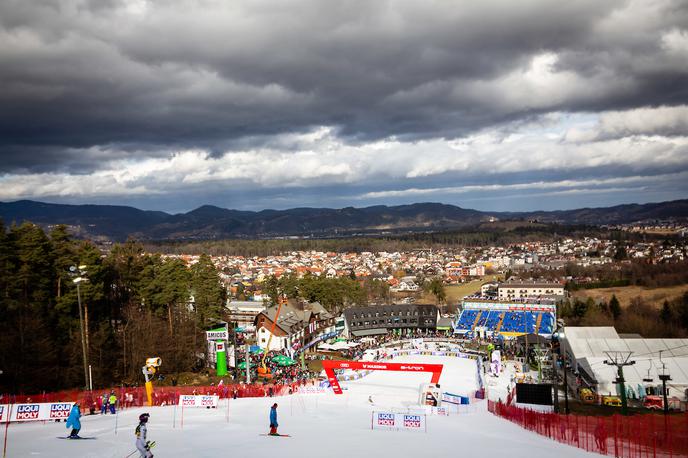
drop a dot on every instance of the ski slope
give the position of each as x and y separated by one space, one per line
320 425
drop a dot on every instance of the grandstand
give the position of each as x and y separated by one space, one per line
509 318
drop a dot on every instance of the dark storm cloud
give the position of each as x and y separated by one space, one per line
86 82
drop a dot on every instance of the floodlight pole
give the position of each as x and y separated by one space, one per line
83 340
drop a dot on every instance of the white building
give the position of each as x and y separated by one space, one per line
522 290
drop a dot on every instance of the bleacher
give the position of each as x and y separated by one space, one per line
514 322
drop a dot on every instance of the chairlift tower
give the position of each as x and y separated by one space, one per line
664 377
620 359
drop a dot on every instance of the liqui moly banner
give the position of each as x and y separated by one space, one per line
190 400
35 411
399 421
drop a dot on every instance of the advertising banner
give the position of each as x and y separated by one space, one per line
312 389
189 400
398 421
36 411
219 334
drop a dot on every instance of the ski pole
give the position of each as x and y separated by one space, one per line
150 446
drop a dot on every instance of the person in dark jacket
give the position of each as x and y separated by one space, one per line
273 420
74 422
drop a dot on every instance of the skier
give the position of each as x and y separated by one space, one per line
112 402
104 405
74 422
273 420
142 445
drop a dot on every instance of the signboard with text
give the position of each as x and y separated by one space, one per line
399 421
217 334
190 400
35 411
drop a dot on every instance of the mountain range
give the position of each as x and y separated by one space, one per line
113 222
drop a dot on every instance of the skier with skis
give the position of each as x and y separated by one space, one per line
74 422
273 420
142 445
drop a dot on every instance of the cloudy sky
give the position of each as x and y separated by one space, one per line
493 105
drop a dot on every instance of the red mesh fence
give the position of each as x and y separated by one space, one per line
165 395
647 435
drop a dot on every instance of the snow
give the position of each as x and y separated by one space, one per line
323 425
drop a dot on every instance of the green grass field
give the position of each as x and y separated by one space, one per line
457 292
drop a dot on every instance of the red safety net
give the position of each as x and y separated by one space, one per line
165 395
646 435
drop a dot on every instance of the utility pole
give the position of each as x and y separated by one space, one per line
566 390
235 352
620 359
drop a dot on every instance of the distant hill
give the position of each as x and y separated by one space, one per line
209 222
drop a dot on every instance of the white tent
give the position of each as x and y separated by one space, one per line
588 347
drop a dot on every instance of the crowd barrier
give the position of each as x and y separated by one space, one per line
637 436
163 395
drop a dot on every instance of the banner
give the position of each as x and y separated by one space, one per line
36 411
312 389
398 421
190 400
220 334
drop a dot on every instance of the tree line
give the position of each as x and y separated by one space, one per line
666 320
135 305
484 235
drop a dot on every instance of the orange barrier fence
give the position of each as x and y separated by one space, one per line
637 436
165 395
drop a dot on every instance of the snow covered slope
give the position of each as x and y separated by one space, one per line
320 425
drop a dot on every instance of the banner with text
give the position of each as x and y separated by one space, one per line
312 389
35 411
398 421
190 400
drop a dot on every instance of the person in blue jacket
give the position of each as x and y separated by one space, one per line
273 420
74 422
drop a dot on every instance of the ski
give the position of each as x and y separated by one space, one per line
275 435
150 446
75 438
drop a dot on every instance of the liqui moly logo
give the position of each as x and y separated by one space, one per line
385 419
343 365
411 421
188 401
207 401
60 410
27 411
2 413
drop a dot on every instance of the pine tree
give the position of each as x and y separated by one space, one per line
665 315
615 307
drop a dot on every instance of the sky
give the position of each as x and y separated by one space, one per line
493 105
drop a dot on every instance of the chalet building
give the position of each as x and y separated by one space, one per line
297 326
381 319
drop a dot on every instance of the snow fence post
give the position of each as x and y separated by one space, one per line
174 416
7 427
